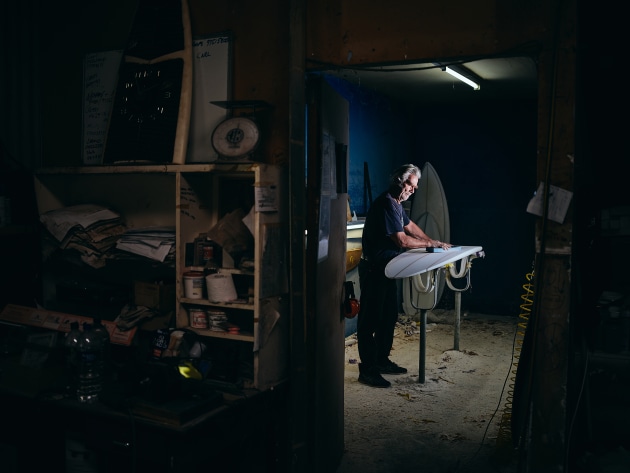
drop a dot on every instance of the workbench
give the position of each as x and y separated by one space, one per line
239 432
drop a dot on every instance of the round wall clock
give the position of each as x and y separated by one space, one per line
235 137
145 112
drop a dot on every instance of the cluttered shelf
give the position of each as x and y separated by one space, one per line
122 237
157 410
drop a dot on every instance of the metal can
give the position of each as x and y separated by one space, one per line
207 253
198 318
193 284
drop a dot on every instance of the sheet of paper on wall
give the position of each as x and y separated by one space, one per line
559 200
266 198
268 320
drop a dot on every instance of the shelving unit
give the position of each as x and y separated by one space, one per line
192 198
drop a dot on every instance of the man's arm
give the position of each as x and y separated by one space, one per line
414 237
415 231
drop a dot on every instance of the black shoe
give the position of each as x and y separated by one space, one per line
389 367
373 378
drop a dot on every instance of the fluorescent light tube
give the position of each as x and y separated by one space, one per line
465 79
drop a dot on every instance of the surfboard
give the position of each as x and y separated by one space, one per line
419 261
429 210
150 117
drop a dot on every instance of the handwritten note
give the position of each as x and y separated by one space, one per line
211 82
100 74
266 198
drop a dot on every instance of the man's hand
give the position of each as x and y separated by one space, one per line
440 244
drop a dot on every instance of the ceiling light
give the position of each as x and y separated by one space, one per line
462 77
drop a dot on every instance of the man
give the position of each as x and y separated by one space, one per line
387 233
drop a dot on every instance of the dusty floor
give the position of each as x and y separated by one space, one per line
457 421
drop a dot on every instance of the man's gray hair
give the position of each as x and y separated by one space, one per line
400 175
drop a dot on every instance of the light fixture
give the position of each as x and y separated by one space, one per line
462 77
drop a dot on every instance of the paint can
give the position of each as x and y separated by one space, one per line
207 253
193 284
198 318
217 320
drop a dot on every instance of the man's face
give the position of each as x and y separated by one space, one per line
409 187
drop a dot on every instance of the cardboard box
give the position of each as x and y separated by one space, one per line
60 321
154 295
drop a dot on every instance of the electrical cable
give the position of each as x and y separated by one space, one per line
504 434
531 49
485 433
504 437
539 262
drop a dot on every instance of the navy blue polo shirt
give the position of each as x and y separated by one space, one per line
384 218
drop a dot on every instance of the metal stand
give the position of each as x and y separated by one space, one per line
423 345
434 276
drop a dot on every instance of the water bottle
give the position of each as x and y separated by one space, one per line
71 344
101 330
90 365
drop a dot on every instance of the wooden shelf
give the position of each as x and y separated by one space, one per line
151 168
243 336
229 305
192 199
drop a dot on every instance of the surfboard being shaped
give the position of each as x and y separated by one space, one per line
420 261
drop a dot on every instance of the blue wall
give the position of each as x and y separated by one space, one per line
485 155
378 136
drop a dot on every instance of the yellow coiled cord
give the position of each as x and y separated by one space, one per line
504 436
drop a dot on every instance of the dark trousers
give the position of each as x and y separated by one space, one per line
378 314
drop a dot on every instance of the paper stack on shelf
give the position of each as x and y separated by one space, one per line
91 230
156 243
62 221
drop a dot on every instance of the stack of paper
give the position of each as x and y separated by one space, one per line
156 243
91 230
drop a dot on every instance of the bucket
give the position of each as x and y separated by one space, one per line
193 284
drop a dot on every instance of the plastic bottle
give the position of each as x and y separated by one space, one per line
71 344
161 340
101 330
90 365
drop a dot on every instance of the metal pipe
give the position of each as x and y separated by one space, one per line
458 310
423 345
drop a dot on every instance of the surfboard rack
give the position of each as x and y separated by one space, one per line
453 264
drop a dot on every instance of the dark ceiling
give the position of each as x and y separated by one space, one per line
512 77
